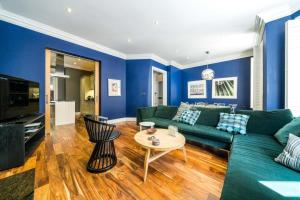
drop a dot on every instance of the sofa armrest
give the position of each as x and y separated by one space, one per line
144 113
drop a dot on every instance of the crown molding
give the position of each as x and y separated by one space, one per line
176 64
54 32
276 13
244 54
147 56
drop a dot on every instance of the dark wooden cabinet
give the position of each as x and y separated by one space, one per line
18 139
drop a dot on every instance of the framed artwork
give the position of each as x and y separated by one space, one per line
114 87
197 89
224 88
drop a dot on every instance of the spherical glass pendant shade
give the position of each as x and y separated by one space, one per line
208 74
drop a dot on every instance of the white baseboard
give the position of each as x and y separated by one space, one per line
124 119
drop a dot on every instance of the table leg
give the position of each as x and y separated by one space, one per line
146 163
140 128
184 153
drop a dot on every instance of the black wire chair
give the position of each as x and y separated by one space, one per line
103 134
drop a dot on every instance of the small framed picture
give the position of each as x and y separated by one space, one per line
114 87
197 89
224 88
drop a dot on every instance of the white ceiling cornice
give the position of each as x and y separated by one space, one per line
54 32
276 13
155 58
221 59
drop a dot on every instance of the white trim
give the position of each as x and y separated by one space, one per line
245 54
165 86
147 56
259 28
276 13
235 79
176 64
54 32
124 119
286 64
155 58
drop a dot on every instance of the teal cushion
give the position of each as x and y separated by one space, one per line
233 123
293 127
189 116
166 112
160 122
267 122
252 170
210 116
206 132
290 156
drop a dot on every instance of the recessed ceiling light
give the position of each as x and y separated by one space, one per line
155 22
75 63
128 40
69 10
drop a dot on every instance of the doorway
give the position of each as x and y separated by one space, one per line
159 87
72 88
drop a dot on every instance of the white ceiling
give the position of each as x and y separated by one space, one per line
185 29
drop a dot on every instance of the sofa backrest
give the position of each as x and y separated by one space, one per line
210 116
267 122
166 112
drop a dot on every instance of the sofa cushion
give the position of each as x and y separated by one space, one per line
189 117
290 156
233 123
253 171
166 112
210 116
293 127
206 132
267 122
160 122
183 106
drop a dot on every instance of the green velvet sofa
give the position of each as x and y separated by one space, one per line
252 172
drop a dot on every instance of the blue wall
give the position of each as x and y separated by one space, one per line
235 68
139 84
22 54
175 86
274 62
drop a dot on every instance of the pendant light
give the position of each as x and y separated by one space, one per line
208 74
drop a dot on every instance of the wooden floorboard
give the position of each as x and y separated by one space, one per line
60 170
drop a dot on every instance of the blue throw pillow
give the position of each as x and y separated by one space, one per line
189 116
233 123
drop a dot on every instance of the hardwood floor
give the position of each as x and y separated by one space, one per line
60 170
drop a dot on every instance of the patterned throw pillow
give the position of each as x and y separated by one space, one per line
233 123
290 156
189 116
183 106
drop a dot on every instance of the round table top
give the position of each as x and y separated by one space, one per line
147 123
166 141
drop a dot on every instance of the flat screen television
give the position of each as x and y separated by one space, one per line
18 98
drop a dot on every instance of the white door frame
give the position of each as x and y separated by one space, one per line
165 85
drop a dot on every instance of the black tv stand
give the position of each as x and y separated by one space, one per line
19 138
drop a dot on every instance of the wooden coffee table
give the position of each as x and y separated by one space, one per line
167 143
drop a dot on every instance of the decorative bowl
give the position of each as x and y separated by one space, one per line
151 130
